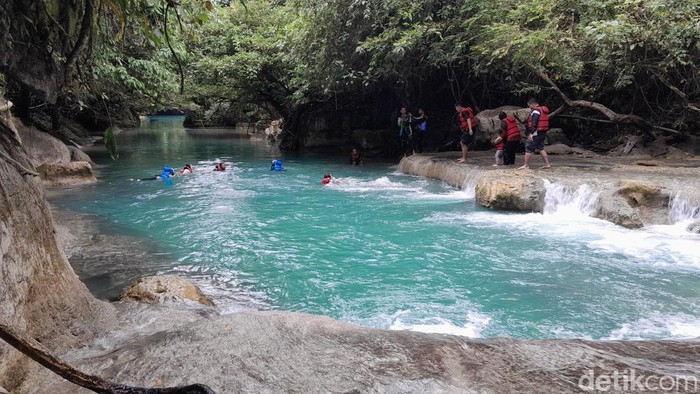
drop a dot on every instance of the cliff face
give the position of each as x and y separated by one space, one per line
40 295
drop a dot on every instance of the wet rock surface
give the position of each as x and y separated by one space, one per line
511 192
66 174
631 192
40 295
41 147
266 352
164 288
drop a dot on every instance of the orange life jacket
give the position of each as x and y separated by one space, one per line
463 120
512 132
543 122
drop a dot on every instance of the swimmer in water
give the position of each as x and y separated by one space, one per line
186 170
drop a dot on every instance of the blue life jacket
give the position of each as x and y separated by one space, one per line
167 172
276 165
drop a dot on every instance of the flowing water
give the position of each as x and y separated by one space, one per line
387 250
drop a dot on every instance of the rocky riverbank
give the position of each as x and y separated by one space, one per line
632 192
264 351
173 344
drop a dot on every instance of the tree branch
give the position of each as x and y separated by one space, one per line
167 40
634 120
677 92
81 43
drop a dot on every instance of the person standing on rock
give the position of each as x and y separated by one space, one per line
510 136
422 129
405 124
537 127
467 124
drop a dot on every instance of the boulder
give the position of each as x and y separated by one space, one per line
164 288
633 203
694 227
489 126
557 136
274 129
614 208
42 147
559 149
658 147
65 174
78 155
639 193
511 192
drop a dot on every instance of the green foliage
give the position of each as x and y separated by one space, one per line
111 143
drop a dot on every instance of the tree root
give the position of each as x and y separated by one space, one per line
38 353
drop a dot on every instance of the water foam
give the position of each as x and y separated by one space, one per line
470 181
563 200
659 326
476 324
682 209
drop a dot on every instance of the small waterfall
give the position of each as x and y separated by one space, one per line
562 199
682 209
471 178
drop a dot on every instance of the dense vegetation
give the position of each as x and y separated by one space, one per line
356 61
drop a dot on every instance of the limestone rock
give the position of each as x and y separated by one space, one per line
164 288
78 155
614 208
489 125
639 193
511 192
694 227
42 147
633 204
274 130
40 295
63 174
557 136
559 149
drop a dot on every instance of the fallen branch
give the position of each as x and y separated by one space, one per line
634 120
38 353
610 121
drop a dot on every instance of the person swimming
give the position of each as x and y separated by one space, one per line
277 165
186 170
167 173
327 179
221 166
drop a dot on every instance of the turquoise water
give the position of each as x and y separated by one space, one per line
387 250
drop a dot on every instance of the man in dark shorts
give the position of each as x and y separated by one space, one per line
467 124
537 127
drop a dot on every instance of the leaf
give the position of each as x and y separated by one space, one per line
111 143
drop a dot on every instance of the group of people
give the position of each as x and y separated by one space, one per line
412 131
509 139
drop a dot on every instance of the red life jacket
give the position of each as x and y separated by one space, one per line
463 120
512 131
326 181
543 123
